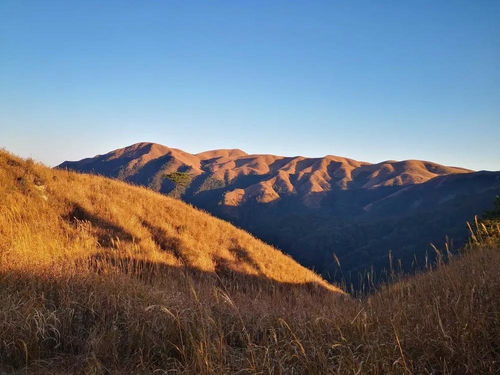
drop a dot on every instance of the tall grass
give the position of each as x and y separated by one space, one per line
97 277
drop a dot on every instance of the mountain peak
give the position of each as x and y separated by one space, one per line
139 149
226 152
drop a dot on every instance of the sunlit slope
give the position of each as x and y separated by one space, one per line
312 208
48 214
236 178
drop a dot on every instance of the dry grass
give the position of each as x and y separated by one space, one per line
52 214
100 277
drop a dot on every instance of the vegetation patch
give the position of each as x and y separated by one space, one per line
179 178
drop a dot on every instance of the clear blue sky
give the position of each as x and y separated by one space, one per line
371 80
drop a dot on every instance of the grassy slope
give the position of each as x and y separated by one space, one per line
48 214
100 277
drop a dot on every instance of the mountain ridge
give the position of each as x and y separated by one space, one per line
312 208
275 176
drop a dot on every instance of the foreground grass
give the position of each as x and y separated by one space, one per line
80 296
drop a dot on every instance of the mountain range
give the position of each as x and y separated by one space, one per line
336 215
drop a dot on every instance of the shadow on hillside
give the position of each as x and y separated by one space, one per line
151 168
157 274
124 305
241 254
280 163
110 234
107 232
165 242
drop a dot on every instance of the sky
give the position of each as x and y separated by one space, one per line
370 80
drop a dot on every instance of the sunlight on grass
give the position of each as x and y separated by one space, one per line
97 276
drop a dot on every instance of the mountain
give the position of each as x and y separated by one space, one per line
82 216
313 208
240 178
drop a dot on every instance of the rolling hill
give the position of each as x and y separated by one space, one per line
84 216
313 208
100 277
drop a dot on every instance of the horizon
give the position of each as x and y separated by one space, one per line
371 82
250 154
56 161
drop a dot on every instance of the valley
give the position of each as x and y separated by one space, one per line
322 211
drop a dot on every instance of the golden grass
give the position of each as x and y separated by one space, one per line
100 277
52 214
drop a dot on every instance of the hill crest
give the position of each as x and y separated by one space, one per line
260 178
86 215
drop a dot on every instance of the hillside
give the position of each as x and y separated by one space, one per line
313 208
243 178
361 230
97 276
64 214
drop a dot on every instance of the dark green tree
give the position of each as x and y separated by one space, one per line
493 214
179 178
